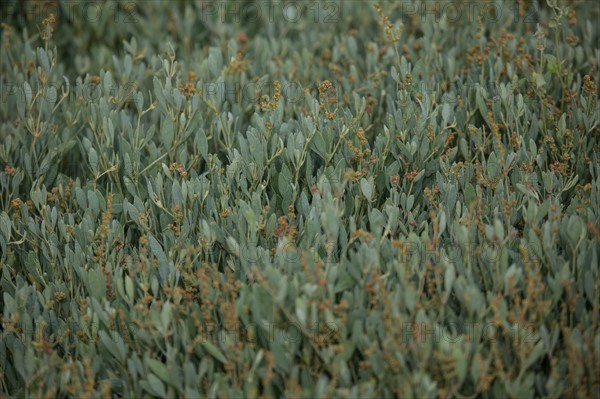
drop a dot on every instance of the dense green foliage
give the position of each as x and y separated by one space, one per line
322 199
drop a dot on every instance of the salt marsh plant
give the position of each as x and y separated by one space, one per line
320 199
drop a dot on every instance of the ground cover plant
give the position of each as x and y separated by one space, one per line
299 199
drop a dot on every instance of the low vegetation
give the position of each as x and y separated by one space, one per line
320 199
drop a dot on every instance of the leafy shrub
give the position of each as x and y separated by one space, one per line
323 199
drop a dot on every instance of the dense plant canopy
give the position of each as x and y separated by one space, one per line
300 199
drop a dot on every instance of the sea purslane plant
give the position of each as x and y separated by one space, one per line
299 199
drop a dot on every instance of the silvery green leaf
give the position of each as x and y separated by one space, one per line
93 201
498 229
410 299
163 263
165 315
394 74
128 64
109 344
10 305
159 369
318 145
410 200
139 102
446 112
93 160
464 147
129 289
167 132
128 165
155 386
538 351
214 351
176 193
527 191
301 310
51 95
43 59
28 93
81 197
5 226
30 363
449 279
575 229
442 223
108 85
53 217
367 189
159 94
21 104
233 245
97 284
571 183
419 176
